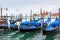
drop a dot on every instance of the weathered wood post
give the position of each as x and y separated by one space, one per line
43 15
1 13
11 16
30 15
20 20
9 24
59 20
50 17
26 17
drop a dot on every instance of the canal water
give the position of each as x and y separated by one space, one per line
17 35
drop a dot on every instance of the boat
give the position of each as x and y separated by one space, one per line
52 27
33 22
14 21
9 25
30 26
2 22
37 23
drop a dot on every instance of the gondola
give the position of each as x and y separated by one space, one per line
30 26
14 21
33 22
12 26
10 23
52 27
2 24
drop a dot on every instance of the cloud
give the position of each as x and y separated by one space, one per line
24 6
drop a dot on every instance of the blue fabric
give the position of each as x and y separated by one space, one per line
33 22
32 27
47 20
26 22
11 25
14 25
29 27
37 23
12 21
55 23
23 26
40 18
45 23
6 21
49 28
6 25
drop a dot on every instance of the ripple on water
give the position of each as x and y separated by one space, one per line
57 37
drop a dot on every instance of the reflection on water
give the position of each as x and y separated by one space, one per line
57 37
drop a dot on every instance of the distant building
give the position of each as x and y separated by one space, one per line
55 14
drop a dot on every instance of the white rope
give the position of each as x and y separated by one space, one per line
8 24
18 25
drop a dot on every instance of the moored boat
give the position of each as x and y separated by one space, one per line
52 27
8 25
30 26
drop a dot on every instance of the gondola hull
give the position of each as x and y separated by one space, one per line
3 27
8 28
45 32
14 29
29 30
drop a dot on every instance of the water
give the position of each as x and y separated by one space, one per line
17 35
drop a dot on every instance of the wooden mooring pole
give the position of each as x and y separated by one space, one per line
19 23
50 17
30 15
59 20
1 13
11 16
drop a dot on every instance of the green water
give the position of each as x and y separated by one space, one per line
17 35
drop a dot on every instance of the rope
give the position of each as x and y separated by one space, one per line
8 24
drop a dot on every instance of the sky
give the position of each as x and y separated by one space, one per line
24 6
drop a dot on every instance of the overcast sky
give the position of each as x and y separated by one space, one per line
24 6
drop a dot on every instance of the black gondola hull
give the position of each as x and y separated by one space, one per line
14 29
29 30
3 27
11 28
45 32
